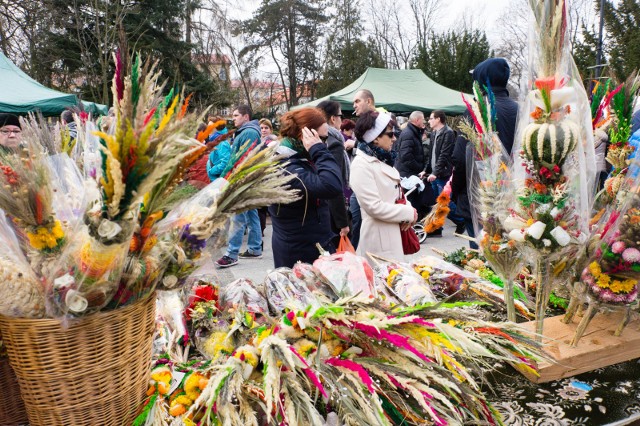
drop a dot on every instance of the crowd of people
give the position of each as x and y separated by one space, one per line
348 172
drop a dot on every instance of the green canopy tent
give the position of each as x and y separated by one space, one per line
20 94
95 109
400 91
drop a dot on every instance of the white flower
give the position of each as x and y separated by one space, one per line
517 235
108 229
561 236
511 223
536 230
546 242
75 301
170 281
543 208
64 281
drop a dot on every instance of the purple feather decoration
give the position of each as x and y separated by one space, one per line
118 78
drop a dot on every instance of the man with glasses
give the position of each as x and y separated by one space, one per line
10 131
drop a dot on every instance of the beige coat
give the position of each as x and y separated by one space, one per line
377 187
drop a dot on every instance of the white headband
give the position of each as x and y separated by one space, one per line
381 123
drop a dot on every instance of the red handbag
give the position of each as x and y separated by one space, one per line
410 241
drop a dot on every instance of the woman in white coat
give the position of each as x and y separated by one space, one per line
377 186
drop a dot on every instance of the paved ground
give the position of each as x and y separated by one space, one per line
256 269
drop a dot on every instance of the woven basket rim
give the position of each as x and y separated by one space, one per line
98 316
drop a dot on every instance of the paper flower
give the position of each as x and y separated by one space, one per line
561 236
536 230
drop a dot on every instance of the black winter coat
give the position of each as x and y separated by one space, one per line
410 159
507 113
443 143
337 205
298 226
462 151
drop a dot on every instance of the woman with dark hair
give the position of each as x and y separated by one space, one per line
377 186
299 226
335 144
346 127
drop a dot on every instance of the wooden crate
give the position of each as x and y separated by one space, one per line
598 347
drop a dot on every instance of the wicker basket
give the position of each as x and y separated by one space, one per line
95 372
12 411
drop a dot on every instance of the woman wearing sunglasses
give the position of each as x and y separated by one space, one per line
299 226
377 186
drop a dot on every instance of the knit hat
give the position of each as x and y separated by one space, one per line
494 70
9 120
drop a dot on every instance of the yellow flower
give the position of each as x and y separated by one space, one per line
45 237
304 347
247 356
184 400
191 385
218 345
391 276
622 286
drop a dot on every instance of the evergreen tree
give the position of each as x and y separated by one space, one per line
450 56
347 55
292 29
623 36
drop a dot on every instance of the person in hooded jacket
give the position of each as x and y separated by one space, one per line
219 156
335 143
299 226
493 71
246 137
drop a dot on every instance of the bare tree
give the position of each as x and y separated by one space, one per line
396 37
515 25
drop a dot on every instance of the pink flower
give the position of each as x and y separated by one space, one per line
618 247
631 255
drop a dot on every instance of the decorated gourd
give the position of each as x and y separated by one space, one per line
550 143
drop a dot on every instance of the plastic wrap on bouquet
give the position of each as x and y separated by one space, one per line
21 293
448 279
169 313
88 273
348 274
315 281
408 285
491 191
192 223
553 154
613 269
243 294
27 197
284 290
69 200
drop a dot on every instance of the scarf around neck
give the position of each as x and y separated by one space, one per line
387 157
295 145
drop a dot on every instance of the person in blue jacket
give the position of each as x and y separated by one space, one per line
246 137
220 155
299 226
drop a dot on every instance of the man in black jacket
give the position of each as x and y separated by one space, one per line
439 164
410 159
494 71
